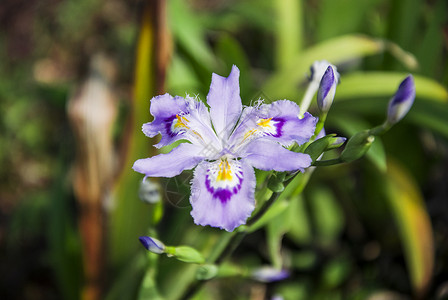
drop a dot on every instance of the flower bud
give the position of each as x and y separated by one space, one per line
149 191
186 254
275 182
327 89
319 146
402 101
336 142
206 272
357 146
269 274
152 244
318 70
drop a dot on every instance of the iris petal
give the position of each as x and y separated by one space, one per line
177 118
277 122
222 193
225 102
268 155
183 157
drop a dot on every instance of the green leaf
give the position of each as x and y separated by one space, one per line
335 272
288 31
283 84
299 226
350 14
189 32
385 84
328 215
230 51
180 76
414 226
130 216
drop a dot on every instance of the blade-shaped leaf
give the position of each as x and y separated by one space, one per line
338 50
414 226
378 84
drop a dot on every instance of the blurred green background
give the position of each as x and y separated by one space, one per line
76 78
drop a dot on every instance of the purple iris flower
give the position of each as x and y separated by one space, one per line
225 143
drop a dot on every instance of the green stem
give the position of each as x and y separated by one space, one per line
330 162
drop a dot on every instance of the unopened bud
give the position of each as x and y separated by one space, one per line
186 254
149 191
357 146
269 274
206 272
402 101
336 142
327 89
275 182
153 245
319 146
318 69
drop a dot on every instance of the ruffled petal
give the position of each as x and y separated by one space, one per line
222 193
183 157
277 122
225 102
178 118
268 155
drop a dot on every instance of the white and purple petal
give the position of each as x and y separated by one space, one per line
177 118
164 109
268 155
225 102
184 157
277 122
222 193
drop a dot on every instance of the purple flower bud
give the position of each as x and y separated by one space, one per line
318 69
269 274
152 244
402 101
327 89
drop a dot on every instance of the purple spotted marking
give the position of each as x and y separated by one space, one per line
168 124
223 195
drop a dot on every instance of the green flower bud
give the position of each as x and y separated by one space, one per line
319 146
206 272
275 182
185 254
357 146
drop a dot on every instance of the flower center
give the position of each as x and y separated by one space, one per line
180 123
224 172
264 122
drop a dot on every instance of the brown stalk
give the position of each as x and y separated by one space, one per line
92 111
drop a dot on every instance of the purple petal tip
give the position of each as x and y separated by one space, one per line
402 101
152 244
326 91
